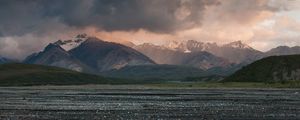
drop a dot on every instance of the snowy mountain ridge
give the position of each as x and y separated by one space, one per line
189 45
72 43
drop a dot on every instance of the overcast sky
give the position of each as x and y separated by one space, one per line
26 26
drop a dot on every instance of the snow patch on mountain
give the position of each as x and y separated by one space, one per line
176 45
187 51
72 43
238 44
193 45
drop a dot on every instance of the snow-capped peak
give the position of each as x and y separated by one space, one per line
192 44
72 43
176 45
238 44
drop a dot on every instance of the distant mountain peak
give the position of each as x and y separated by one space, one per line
193 44
81 36
72 43
238 44
235 52
52 46
176 45
190 45
150 46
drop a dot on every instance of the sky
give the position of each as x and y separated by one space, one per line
26 26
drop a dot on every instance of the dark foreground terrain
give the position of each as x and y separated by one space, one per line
119 102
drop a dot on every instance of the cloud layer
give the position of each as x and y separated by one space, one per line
28 25
19 17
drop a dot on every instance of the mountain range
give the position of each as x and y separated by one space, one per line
96 56
235 52
221 59
200 59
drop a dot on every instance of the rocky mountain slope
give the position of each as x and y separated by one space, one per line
103 56
54 55
88 54
163 55
238 52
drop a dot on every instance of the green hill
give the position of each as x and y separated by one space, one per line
270 69
24 74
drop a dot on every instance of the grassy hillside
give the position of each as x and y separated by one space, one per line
25 74
270 69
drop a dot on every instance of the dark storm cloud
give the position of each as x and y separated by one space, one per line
24 16
18 17
152 15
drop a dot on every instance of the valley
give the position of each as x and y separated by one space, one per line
149 59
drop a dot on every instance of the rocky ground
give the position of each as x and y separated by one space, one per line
135 103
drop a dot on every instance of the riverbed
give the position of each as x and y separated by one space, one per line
130 102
